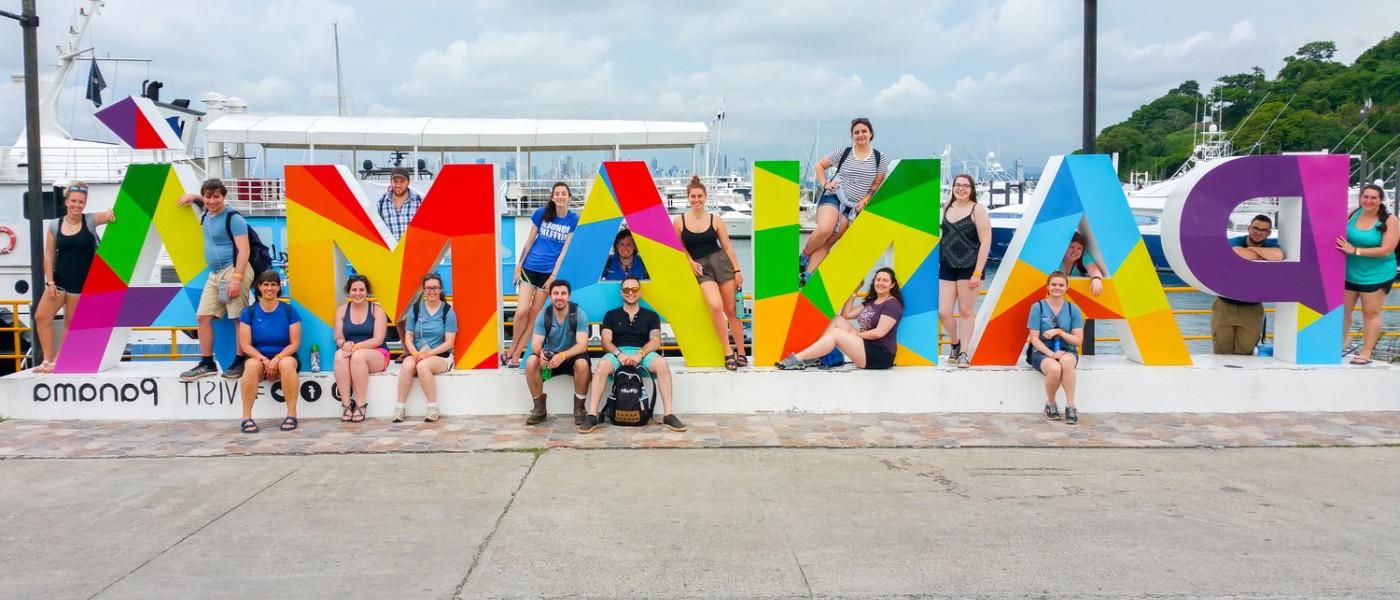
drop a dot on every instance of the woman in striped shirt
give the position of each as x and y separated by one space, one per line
860 169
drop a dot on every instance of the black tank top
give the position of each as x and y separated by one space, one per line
73 257
702 244
960 243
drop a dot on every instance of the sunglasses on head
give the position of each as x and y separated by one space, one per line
78 188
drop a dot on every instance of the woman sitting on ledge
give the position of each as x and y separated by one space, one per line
269 333
1055 329
428 340
359 339
873 346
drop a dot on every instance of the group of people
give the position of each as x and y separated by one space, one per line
269 330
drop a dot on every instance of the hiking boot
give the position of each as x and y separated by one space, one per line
589 423
673 423
433 415
199 371
236 370
1052 411
1071 416
539 414
579 410
791 363
963 361
399 415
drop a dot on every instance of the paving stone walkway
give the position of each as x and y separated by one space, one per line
114 439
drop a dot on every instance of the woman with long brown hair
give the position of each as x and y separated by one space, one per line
874 344
706 242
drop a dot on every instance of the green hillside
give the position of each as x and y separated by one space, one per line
1314 103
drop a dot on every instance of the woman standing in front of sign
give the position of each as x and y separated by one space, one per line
1055 330
967 238
1372 233
70 242
860 169
359 339
712 257
269 334
552 228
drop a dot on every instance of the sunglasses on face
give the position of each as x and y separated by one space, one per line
631 290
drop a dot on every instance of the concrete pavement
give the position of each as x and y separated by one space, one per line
717 523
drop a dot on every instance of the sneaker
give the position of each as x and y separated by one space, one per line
963 361
953 351
433 415
399 415
199 371
236 370
1052 411
802 261
791 363
1071 416
802 278
673 423
590 422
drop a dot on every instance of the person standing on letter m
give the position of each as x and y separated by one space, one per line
230 277
1236 327
397 208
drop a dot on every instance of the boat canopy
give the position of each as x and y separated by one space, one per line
452 134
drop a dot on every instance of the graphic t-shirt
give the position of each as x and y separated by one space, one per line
870 318
544 252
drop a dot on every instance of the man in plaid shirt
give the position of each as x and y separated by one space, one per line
397 207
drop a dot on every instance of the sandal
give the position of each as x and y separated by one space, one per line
289 424
44 367
742 359
358 414
248 426
348 414
1357 360
731 363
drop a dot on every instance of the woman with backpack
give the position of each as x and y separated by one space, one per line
871 346
716 267
860 169
69 245
1372 234
269 334
427 344
552 228
1055 330
967 238
359 341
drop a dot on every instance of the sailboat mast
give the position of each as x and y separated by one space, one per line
339 75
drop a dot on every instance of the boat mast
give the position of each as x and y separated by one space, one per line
339 75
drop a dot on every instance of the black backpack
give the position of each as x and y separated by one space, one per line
626 406
845 154
570 320
259 255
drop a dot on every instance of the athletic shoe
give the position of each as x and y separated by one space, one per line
399 415
1052 412
236 370
1071 416
953 351
963 361
802 261
199 371
673 423
433 415
590 422
791 363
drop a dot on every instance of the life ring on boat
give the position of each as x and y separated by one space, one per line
9 245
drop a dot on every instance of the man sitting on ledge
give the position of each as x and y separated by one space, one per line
631 336
1236 327
560 344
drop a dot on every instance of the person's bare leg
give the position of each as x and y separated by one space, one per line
826 224
851 345
43 322
406 375
533 379
529 324
1051 369
1067 376
947 297
341 368
715 304
967 310
1371 305
521 324
736 326
822 346
600 381
291 388
248 385
662 372
205 329
427 376
1349 300
821 253
581 377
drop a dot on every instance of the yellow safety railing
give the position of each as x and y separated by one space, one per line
17 330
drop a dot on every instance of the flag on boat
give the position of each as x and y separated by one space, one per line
719 116
95 85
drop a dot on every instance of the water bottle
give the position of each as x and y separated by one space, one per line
1055 344
739 308
545 371
315 358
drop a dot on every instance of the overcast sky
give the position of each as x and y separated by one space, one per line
1000 75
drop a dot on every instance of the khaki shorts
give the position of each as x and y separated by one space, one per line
215 301
716 267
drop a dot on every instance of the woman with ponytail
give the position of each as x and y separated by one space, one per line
706 242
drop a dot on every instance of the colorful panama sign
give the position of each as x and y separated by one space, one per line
330 220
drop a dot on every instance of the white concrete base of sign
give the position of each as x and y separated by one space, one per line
1106 384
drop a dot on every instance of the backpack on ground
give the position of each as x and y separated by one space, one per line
626 405
259 255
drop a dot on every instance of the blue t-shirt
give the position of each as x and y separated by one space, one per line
559 339
272 331
219 250
544 252
1243 242
613 271
430 328
1043 318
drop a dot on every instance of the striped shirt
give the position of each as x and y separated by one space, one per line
856 174
398 220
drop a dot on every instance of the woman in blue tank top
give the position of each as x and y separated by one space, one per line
359 339
1372 233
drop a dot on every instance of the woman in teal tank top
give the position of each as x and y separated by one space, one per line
1372 233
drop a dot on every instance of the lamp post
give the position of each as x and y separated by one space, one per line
29 22
1091 52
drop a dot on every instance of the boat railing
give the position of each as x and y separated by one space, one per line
257 197
81 163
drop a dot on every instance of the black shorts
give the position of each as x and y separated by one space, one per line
535 278
567 367
877 356
947 273
1366 288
